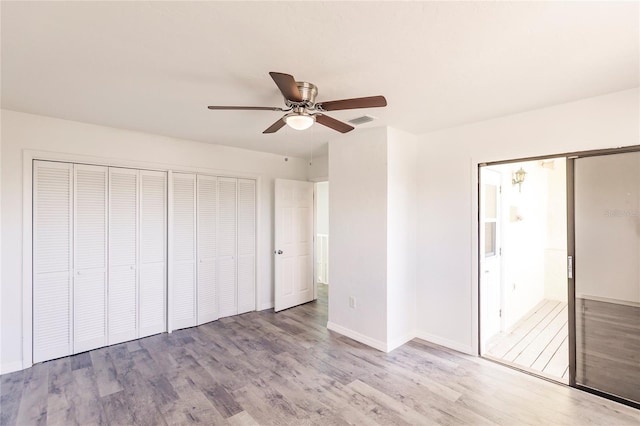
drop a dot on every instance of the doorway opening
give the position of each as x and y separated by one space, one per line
321 262
524 312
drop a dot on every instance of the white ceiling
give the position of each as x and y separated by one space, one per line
155 66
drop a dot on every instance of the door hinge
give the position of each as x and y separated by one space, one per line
500 251
500 189
500 313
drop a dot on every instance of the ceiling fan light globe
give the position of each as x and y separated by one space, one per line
299 121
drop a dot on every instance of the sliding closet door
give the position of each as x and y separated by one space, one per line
152 294
123 255
246 245
207 215
52 261
90 258
184 250
227 234
607 273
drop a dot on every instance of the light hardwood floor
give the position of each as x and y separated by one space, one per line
286 368
538 342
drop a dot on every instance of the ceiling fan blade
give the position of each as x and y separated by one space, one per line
368 102
246 108
325 120
287 85
275 126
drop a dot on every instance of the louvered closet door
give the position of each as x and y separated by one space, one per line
90 258
227 229
246 245
52 261
207 207
184 251
153 253
123 255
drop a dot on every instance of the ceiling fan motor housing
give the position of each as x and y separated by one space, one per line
308 93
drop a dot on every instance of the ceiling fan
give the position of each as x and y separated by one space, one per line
301 107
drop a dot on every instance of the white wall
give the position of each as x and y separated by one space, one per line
372 249
31 132
322 232
357 247
358 223
319 169
447 196
401 237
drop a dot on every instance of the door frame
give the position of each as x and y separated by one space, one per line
315 234
28 156
570 157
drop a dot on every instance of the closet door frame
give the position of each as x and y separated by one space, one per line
28 156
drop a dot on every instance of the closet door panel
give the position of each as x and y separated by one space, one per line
246 245
123 255
227 247
90 253
184 250
52 267
153 253
207 216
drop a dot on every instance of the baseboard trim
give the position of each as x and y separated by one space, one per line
376 344
441 341
396 343
265 306
10 367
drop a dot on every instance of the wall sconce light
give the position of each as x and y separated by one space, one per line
518 178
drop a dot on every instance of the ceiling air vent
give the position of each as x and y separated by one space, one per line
361 120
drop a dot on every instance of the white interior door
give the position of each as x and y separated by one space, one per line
227 246
207 217
293 243
52 260
152 294
490 252
184 251
246 245
90 258
123 255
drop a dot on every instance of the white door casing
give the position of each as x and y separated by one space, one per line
293 243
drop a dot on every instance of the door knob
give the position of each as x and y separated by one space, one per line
279 252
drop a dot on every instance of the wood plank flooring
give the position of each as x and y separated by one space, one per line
288 369
538 342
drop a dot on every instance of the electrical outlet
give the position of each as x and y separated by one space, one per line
352 302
